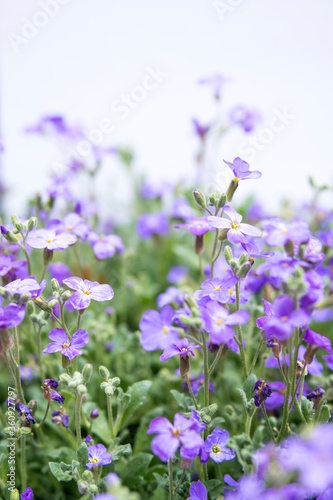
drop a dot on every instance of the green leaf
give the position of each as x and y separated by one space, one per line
82 454
244 400
307 409
136 467
60 471
249 385
120 451
3 467
181 399
324 414
212 484
138 393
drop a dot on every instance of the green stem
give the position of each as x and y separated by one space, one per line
16 345
240 337
268 422
216 359
2 419
171 491
17 378
285 413
110 417
43 272
45 415
253 364
206 368
201 266
180 480
249 418
191 391
297 386
78 418
26 256
282 372
23 465
39 351
213 253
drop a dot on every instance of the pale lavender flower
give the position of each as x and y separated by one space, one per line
241 169
48 238
215 446
69 348
98 455
234 226
86 290
156 328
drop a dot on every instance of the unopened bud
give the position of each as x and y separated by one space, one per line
65 362
47 256
223 234
234 264
222 200
199 198
55 285
25 297
14 495
289 248
81 389
30 308
184 365
244 270
31 224
87 372
66 295
243 258
232 188
52 303
87 475
199 244
8 235
104 373
17 223
310 353
228 254
94 413
33 406
213 199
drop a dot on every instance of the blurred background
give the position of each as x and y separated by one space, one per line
126 72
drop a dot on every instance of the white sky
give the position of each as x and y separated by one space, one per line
277 53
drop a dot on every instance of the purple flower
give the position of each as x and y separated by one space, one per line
282 318
198 491
72 223
94 413
177 274
241 169
318 340
313 251
86 291
316 395
28 284
262 392
219 322
218 289
235 228
217 82
69 348
50 394
329 360
152 224
154 189
199 382
277 232
25 414
48 238
181 347
88 439
170 437
28 494
181 209
60 417
156 329
200 129
59 271
11 316
98 456
215 446
105 246
246 118
197 226
171 294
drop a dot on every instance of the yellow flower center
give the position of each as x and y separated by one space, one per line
184 349
284 318
284 230
216 448
86 291
69 228
165 330
65 345
176 432
231 291
234 225
217 289
49 240
94 460
219 321
236 179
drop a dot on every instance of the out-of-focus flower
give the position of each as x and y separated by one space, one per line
248 119
152 224
197 226
21 286
278 233
59 271
181 209
28 494
60 417
216 81
198 491
177 274
105 246
241 169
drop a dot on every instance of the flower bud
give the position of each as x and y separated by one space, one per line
206 419
234 264
87 475
87 372
199 198
42 304
244 270
17 223
184 365
222 200
186 320
33 405
82 487
310 353
66 295
93 489
31 224
3 292
232 188
25 431
223 234
94 413
30 308
243 258
213 199
289 248
65 362
52 303
199 244
25 297
109 390
8 235
64 377
55 285
185 463
228 254
14 495
81 389
104 373
47 256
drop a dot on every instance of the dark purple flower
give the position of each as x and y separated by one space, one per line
219 322
181 347
94 413
48 238
241 169
88 439
98 456
86 290
314 338
220 289
316 396
169 436
215 446
198 491
156 328
200 129
248 119
278 233
28 494
197 226
262 392
281 318
25 414
152 224
105 246
50 394
234 227
69 348
60 417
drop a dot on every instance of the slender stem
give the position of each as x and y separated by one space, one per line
216 359
39 351
78 320
23 464
171 491
285 414
17 378
240 337
261 343
213 253
110 417
180 480
26 256
45 415
43 272
249 418
9 366
206 368
2 419
282 372
201 266
268 422
78 418
16 345
75 364
191 391
62 319
301 378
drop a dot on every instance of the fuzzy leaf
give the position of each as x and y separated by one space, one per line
138 393
136 467
60 471
82 454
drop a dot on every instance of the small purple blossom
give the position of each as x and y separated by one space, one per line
313 251
149 225
98 455
234 226
181 209
28 494
60 417
171 436
48 238
86 290
181 347
156 329
69 348
220 289
49 389
248 119
105 246
198 491
25 414
278 233
219 322
241 169
262 392
216 81
196 383
28 284
59 271
177 274
197 226
215 446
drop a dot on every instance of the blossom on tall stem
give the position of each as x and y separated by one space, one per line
180 347
86 290
278 233
215 446
98 455
219 322
241 169
49 239
105 246
156 328
234 227
69 348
